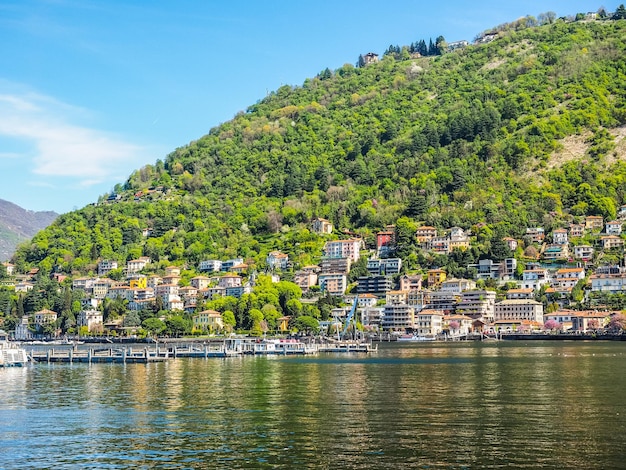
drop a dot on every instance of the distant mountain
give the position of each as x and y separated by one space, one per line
18 224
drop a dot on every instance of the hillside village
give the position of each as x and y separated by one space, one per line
539 288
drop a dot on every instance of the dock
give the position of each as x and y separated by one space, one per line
100 356
232 347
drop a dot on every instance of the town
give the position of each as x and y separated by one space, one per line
533 291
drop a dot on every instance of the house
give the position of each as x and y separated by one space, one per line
610 242
594 222
613 227
335 265
213 293
137 281
456 286
589 321
457 325
534 278
425 233
101 288
386 241
397 297
106 266
172 271
200 282
454 45
511 243
210 265
583 252
621 213
458 239
387 266
576 230
374 285
561 316
370 58
188 293
136 265
371 317
119 292
568 277
83 283
612 283
429 323
512 294
344 248
411 282
22 330
208 320
488 269
555 252
435 277
24 286
240 268
438 300
322 226
478 304
229 264
277 260
45 317
10 268
333 283
559 236
230 280
167 291
519 310
366 300
172 279
92 319
535 234
305 279
398 317
439 245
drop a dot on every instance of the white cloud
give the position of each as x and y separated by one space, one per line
59 147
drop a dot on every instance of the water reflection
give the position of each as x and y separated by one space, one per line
462 405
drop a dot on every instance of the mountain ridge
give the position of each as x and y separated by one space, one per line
18 225
458 139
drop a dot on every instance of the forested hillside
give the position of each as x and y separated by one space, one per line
525 129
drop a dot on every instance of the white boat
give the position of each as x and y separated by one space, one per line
415 338
11 355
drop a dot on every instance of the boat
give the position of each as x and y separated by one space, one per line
415 338
11 355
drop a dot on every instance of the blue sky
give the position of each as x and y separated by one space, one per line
91 90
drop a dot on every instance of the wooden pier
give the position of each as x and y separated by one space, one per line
100 356
162 352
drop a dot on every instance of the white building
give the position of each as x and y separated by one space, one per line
429 323
344 248
92 319
210 265
277 260
398 318
519 310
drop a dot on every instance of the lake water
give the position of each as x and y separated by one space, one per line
455 405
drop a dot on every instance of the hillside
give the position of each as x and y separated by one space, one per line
523 130
18 225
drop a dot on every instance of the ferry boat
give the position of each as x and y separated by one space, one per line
11 355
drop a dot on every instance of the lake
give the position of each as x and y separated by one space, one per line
436 406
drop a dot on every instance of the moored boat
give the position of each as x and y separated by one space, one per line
11 355
416 338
